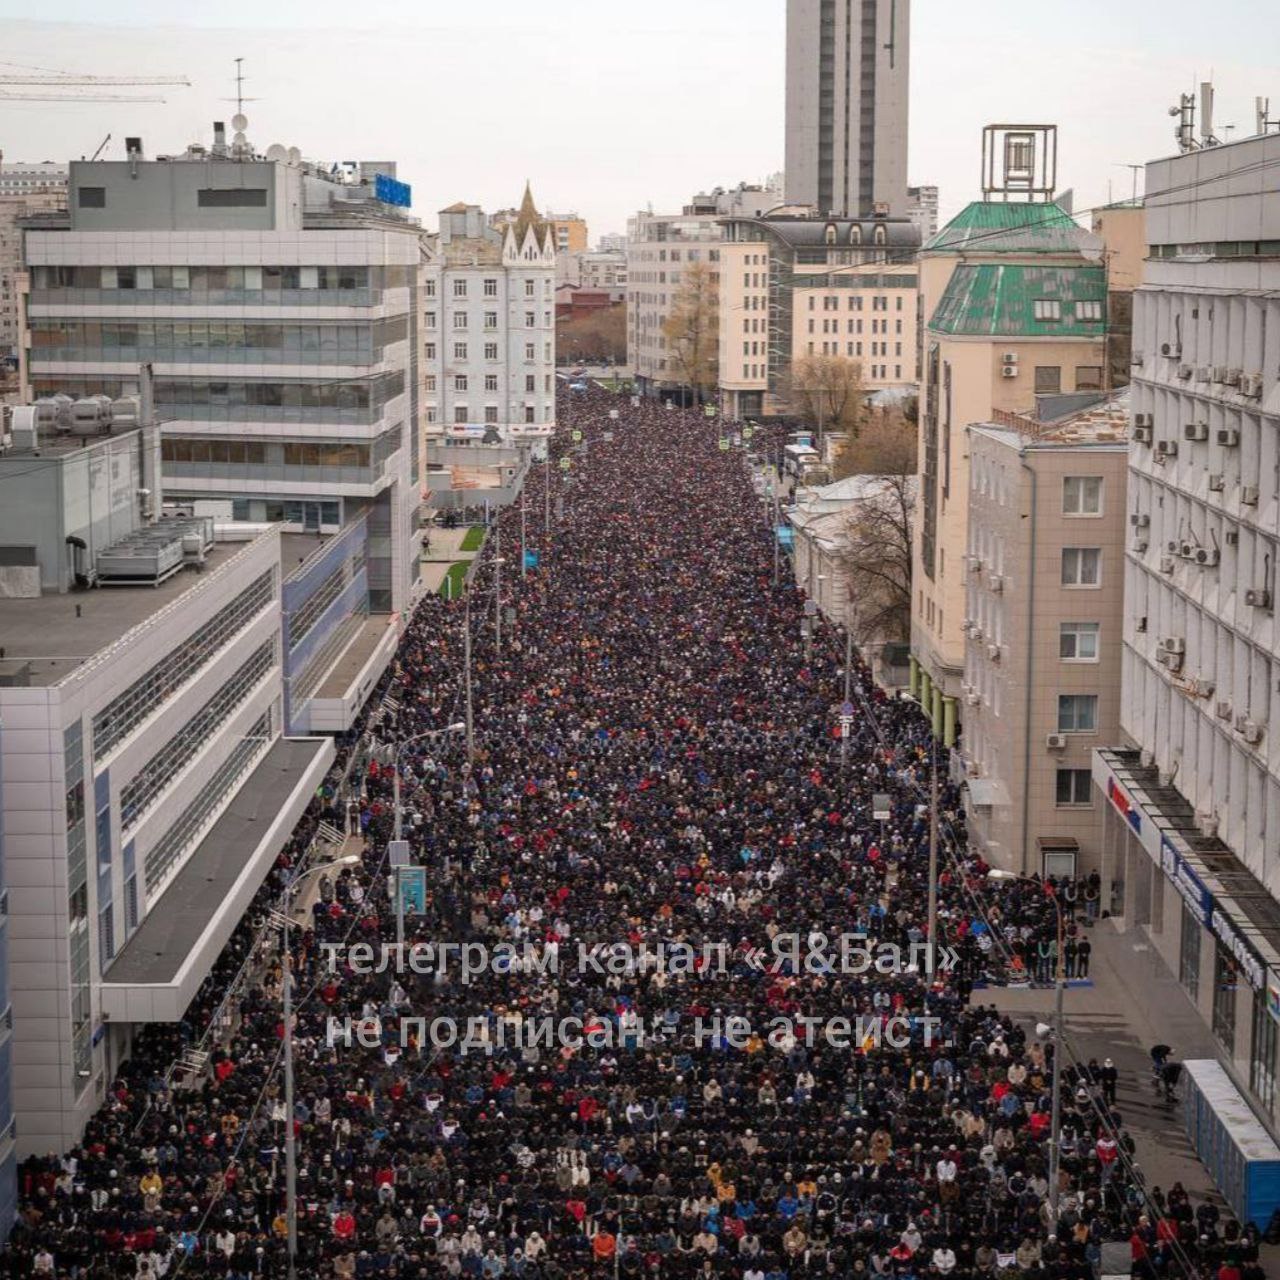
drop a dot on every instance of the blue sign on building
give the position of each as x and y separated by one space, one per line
1193 890
389 191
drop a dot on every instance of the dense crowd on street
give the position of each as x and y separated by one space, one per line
656 762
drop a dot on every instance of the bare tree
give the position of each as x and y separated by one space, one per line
826 392
877 561
594 338
692 329
885 445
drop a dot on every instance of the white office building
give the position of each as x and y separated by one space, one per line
488 325
147 788
23 177
276 301
1191 846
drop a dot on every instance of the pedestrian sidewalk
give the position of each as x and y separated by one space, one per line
444 552
1133 1003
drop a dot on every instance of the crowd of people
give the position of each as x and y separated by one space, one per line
655 768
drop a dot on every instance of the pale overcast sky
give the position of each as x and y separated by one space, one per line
608 107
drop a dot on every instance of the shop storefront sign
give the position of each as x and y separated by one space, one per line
1239 947
1187 882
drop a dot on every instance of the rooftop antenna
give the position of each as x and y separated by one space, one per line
1185 130
1207 138
1263 108
1134 169
240 99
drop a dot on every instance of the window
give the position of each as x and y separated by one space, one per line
429 289
460 413
1081 566
131 904
232 198
1262 1057
459 319
106 935
1089 309
491 413
530 384
530 351
429 382
1078 641
490 319
1048 379
430 320
429 351
1077 713
491 382
1189 953
1225 982
150 691
459 288
460 382
1047 309
529 413
1081 495
459 350
530 319
1088 377
1073 788
490 288
528 288
92 197
490 350
159 772
191 822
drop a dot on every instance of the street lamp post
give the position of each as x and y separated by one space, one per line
466 676
398 809
286 983
524 479
848 679
1059 983
498 562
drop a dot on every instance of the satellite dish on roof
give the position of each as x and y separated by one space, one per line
277 152
239 122
294 155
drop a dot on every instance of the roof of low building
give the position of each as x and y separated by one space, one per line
812 231
992 226
998 299
1105 422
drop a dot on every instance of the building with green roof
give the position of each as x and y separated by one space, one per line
1013 304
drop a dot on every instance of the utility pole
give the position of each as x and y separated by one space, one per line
524 479
466 667
497 591
1055 1121
290 1144
932 953
848 680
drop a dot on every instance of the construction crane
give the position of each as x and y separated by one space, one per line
42 84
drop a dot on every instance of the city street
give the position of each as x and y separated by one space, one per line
655 776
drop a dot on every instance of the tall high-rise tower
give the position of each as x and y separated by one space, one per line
847 86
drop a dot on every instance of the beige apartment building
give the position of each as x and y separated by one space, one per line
793 284
1013 297
13 207
865 313
1043 616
